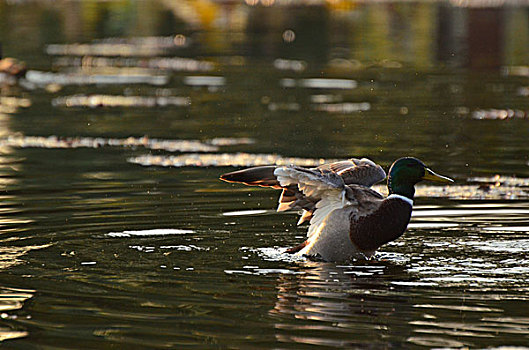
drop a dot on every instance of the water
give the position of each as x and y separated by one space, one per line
116 232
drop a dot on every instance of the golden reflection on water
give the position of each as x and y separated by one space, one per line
6 333
11 255
11 105
93 101
356 303
21 141
351 302
12 300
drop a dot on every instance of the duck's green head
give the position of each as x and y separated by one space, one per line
404 173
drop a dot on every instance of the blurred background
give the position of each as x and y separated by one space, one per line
430 67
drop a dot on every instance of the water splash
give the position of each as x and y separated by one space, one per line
274 254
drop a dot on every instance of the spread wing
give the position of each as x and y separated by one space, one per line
312 182
257 176
357 171
363 172
327 192
321 190
352 171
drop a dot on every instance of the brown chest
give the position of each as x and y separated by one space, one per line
385 224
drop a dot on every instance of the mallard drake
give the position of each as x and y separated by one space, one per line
347 218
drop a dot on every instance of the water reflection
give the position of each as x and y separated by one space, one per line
12 300
467 36
11 105
222 160
11 255
94 101
144 46
315 83
500 114
358 305
147 233
159 63
96 142
332 301
43 79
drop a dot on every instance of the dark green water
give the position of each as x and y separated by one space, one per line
98 251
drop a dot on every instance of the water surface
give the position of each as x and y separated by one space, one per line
116 232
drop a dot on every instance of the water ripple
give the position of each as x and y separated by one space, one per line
12 299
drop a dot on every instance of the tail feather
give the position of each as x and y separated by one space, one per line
257 176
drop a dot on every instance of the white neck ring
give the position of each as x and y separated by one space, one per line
406 199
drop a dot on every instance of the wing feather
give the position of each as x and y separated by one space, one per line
257 176
326 188
309 181
330 202
318 191
357 171
364 201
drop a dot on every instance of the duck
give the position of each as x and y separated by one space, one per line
347 218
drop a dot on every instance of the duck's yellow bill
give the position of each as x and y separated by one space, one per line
430 175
